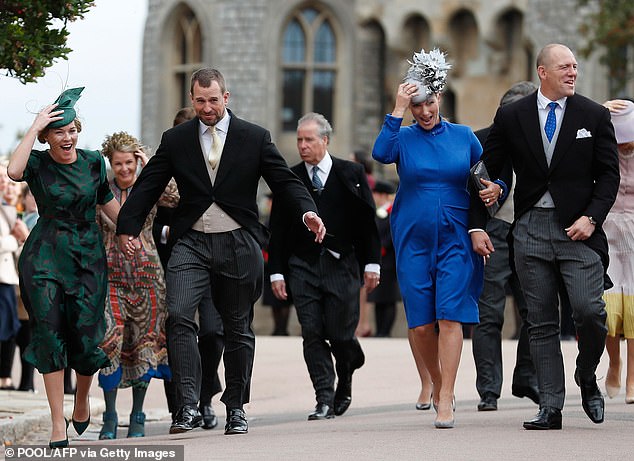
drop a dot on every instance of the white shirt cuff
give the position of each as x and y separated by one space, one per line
376 268
477 229
277 277
164 234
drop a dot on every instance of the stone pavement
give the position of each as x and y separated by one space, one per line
380 424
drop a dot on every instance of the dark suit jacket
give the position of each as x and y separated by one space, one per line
248 155
289 235
583 177
163 218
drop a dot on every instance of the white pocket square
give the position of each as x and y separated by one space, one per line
583 133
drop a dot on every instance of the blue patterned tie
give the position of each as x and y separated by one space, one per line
551 122
317 184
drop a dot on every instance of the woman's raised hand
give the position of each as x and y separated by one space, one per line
46 116
404 95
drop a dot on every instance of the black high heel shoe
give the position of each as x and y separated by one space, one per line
60 443
81 426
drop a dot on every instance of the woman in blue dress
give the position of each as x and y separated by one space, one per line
439 274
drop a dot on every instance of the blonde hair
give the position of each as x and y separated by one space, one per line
41 136
120 142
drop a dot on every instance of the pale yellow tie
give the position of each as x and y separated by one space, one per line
216 148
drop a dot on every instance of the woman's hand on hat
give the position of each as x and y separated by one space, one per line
404 95
46 116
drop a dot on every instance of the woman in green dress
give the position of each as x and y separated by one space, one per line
62 267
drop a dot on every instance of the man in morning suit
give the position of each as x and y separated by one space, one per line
325 279
217 160
563 151
211 337
498 272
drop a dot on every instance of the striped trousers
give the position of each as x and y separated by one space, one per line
326 297
543 250
231 264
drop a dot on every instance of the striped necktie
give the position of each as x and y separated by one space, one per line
317 184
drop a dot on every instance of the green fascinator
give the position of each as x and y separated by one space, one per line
66 102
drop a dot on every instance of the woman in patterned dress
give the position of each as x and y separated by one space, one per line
63 264
135 306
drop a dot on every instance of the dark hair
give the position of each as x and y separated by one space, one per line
517 92
205 76
186 113
361 156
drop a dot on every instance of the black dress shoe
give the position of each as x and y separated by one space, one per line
591 398
526 391
210 420
322 411
187 418
488 402
341 405
547 418
343 393
236 422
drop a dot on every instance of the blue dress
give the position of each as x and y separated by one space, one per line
439 274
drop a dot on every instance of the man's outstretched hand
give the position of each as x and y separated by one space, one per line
316 225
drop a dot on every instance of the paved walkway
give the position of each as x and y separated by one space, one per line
381 423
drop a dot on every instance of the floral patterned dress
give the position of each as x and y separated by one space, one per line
135 309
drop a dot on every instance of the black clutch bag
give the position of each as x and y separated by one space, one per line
479 171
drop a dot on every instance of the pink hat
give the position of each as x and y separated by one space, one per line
623 121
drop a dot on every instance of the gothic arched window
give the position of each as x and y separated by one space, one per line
309 66
186 54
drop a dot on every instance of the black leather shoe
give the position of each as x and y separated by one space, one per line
488 402
343 393
341 405
526 391
187 418
547 418
236 422
322 411
591 398
210 420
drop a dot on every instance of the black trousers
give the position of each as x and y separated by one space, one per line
211 344
231 265
326 296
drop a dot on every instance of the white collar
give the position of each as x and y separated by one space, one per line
325 165
543 101
222 126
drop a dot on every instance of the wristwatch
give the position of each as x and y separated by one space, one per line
592 221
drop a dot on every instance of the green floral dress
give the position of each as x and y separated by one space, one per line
63 275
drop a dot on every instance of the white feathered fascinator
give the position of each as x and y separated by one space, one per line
428 71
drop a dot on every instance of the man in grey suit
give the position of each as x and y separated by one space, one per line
325 279
217 160
563 151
